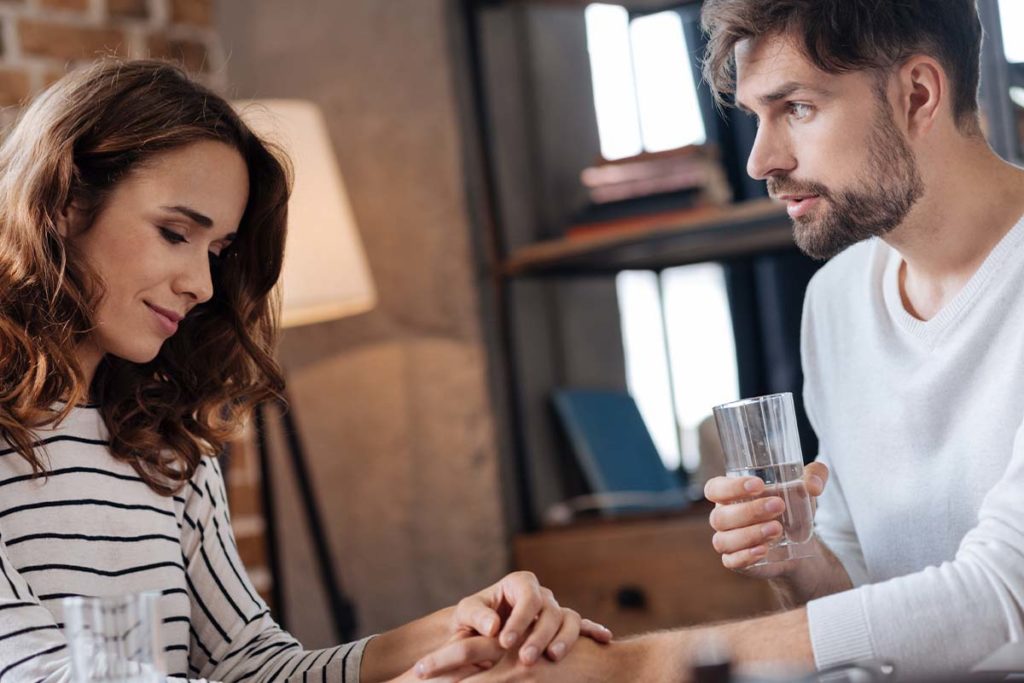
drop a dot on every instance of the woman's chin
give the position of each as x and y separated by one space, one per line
139 356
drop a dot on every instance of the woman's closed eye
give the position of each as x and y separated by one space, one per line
174 237
171 236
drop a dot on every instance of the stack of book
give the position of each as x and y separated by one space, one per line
679 180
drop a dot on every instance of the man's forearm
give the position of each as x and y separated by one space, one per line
812 577
669 656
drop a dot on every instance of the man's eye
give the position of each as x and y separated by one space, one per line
171 236
799 110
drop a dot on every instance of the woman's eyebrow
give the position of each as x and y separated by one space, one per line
196 217
191 214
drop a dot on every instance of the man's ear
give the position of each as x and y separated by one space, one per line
924 93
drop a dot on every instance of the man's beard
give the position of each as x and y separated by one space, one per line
870 209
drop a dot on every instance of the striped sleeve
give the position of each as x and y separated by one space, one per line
32 646
234 637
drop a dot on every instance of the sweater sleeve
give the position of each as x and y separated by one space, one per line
834 526
832 521
947 617
233 635
32 646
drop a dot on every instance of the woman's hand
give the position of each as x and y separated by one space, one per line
516 612
588 661
464 655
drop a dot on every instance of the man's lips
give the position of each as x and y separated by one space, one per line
798 205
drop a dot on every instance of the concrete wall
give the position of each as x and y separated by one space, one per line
393 405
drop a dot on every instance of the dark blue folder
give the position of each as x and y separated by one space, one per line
615 451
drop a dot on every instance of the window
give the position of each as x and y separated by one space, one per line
644 94
1011 17
1010 134
702 350
647 363
680 353
646 101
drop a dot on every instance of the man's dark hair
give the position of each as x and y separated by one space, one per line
840 36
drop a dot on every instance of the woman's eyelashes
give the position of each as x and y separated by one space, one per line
173 237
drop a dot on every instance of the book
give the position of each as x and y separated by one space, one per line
616 453
689 178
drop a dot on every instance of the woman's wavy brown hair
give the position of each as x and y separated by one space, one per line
73 145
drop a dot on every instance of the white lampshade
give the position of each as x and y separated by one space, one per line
325 271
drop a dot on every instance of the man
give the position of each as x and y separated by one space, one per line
913 345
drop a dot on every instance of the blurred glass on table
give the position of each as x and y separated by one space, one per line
114 639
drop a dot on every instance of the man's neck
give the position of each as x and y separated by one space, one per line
967 208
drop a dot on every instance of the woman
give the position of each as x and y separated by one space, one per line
142 229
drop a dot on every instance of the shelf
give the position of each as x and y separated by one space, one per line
659 241
632 5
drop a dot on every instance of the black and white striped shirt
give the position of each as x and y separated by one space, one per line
92 527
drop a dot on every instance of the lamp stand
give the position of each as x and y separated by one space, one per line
342 610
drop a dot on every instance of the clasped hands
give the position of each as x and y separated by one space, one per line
516 618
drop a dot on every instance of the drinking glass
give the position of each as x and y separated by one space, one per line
114 639
760 439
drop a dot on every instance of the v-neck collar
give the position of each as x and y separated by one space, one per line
929 331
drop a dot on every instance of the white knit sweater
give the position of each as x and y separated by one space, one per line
920 425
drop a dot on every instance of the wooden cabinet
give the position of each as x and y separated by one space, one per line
639 575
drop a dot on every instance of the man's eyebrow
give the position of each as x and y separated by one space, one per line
782 92
196 217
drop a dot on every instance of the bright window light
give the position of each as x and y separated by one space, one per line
1017 95
611 68
1011 16
702 349
647 366
669 114
700 363
644 93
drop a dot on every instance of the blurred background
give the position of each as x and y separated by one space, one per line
565 268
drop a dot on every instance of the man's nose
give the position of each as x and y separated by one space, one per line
770 156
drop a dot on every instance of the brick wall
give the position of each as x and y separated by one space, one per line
39 41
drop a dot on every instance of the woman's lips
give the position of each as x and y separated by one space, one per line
165 318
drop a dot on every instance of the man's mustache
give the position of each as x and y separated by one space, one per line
778 186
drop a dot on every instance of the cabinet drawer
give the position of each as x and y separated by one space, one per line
635 576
